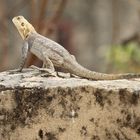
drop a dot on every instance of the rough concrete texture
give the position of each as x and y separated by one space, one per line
35 107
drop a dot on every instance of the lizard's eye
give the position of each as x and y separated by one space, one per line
18 18
22 24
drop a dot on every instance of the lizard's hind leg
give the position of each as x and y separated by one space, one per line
47 67
47 63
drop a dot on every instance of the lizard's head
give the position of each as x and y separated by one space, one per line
23 26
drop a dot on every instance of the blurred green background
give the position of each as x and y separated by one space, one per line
104 35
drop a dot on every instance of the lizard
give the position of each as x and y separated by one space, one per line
54 55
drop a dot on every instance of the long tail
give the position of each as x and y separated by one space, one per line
80 71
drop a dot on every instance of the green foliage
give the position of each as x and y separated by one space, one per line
124 58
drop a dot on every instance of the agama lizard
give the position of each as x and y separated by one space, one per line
53 54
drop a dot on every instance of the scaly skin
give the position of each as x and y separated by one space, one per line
52 54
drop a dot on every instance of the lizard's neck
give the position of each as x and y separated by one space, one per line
26 30
26 33
30 39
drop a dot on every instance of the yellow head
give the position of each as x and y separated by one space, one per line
23 26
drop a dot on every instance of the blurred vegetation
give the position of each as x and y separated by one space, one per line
124 58
84 28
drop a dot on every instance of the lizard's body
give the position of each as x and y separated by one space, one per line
52 54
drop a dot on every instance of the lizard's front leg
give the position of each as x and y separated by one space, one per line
25 49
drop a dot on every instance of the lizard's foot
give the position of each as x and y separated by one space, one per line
45 71
73 76
15 71
58 75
